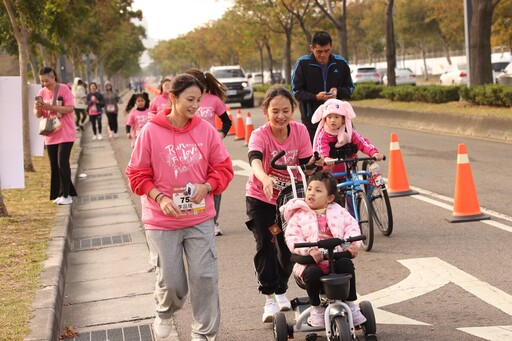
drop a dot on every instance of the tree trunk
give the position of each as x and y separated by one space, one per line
390 43
447 53
480 69
3 208
288 56
269 53
425 67
21 33
344 39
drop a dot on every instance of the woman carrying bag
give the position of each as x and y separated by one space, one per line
60 141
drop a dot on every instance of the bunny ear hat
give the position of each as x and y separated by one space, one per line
337 107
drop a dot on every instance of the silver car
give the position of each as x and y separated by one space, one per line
402 76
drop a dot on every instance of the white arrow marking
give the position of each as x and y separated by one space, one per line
246 169
493 333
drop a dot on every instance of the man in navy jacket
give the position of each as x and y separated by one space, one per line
320 76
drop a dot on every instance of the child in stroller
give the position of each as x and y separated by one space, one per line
316 217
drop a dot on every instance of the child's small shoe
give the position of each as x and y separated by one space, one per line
316 317
357 317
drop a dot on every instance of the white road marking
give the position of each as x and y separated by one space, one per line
493 333
429 274
246 168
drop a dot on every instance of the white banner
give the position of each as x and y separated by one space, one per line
12 174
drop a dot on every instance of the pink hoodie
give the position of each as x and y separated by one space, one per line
159 103
303 226
167 158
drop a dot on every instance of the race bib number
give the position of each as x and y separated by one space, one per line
187 207
111 107
281 182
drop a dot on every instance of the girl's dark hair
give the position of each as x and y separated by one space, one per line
46 70
330 183
184 81
161 88
210 83
275 91
91 83
131 103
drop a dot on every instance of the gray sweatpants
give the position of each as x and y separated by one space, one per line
197 243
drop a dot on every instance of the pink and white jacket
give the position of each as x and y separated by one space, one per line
166 158
303 227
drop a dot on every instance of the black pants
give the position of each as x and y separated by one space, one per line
272 259
112 121
81 115
312 275
61 184
95 119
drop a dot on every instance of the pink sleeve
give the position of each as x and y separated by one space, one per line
363 144
220 107
129 119
139 171
305 149
67 95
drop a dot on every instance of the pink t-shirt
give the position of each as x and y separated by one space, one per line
137 119
159 103
68 131
297 146
210 107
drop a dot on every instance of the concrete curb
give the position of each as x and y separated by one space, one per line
44 323
478 126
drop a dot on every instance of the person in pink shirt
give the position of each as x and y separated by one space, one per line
336 137
161 101
59 142
212 105
272 259
138 115
178 163
316 217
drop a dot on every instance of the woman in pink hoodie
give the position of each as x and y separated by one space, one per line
161 101
178 163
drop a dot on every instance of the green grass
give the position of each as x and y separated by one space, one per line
23 243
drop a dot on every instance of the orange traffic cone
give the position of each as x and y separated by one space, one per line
240 130
397 179
232 129
466 207
218 123
249 127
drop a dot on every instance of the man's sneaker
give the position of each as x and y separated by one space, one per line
271 307
283 302
94 137
316 317
65 201
100 137
357 317
218 231
56 200
162 327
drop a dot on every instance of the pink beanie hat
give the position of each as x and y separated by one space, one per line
337 107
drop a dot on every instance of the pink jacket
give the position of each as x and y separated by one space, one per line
159 103
321 145
303 227
166 158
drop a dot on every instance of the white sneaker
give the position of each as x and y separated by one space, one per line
357 317
56 200
283 302
65 201
218 231
162 327
94 137
100 137
316 317
271 308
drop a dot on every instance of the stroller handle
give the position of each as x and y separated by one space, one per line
284 167
357 159
330 243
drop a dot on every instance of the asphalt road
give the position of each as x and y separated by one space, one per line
430 280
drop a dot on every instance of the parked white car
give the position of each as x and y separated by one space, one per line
457 75
497 68
505 77
365 74
403 76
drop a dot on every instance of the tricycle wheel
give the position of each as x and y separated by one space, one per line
370 326
340 329
280 327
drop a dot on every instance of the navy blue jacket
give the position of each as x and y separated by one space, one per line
308 80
